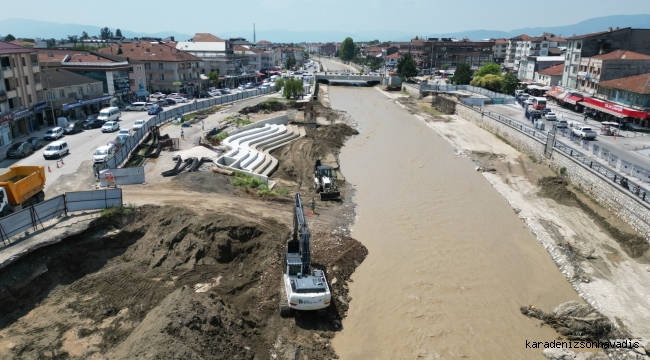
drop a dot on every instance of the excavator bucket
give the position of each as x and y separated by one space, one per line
332 195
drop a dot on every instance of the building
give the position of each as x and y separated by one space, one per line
452 53
500 47
534 64
626 99
613 65
167 68
72 95
21 92
514 44
113 73
329 49
589 45
264 45
550 76
392 59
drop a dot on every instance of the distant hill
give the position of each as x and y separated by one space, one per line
45 29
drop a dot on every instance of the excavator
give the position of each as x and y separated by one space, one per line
324 182
302 288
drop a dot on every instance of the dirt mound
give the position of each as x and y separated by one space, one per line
265 106
205 182
167 283
556 188
297 159
577 321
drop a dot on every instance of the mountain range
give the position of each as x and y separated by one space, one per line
32 28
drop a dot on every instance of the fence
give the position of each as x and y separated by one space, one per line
507 99
33 216
635 188
122 155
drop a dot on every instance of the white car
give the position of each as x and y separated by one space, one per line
102 152
214 93
172 95
125 132
241 88
138 124
272 84
56 150
158 95
550 116
111 126
53 134
180 99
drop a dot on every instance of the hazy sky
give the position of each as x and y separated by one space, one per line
421 16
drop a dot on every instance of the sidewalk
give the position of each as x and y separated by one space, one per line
38 133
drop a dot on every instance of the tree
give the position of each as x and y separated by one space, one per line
213 76
292 88
279 83
347 49
50 43
290 62
490 68
489 81
10 37
73 39
118 33
84 36
463 74
444 66
509 84
105 33
406 67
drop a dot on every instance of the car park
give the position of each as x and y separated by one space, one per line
74 127
550 116
53 134
94 124
138 124
19 150
102 153
36 142
155 110
56 149
110 126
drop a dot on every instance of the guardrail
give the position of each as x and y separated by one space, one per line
122 155
632 186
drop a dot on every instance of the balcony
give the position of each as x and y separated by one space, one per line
7 72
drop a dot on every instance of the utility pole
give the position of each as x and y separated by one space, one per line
254 35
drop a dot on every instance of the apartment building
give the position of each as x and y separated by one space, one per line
589 45
626 98
21 92
500 47
167 68
514 44
73 95
550 76
613 65
534 64
436 53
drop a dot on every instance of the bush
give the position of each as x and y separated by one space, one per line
117 211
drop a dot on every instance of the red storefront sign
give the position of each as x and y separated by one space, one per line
617 108
7 118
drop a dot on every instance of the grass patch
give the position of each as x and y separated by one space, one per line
428 109
242 122
270 101
255 185
117 211
503 139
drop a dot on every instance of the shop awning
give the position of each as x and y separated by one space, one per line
141 92
551 93
261 73
561 96
573 99
602 109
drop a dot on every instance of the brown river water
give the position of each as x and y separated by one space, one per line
449 263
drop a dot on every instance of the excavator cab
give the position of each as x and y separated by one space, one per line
325 182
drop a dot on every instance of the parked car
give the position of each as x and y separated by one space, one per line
180 99
203 95
19 150
162 103
562 124
585 132
121 139
170 101
91 117
155 110
74 127
138 124
53 134
126 132
214 93
550 116
56 150
36 142
103 152
94 124
115 145
546 110
224 91
110 126
172 95
241 88
528 101
158 95
139 106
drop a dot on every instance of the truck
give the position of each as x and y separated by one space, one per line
21 187
584 132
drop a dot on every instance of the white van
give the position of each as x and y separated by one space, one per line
139 106
274 78
56 149
109 114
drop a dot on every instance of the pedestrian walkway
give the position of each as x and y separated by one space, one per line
38 133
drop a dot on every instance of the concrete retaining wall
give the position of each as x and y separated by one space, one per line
607 193
412 89
277 120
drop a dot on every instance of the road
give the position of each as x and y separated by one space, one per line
333 65
82 145
623 146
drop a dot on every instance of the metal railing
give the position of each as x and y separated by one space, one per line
123 154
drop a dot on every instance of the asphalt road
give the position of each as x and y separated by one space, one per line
333 65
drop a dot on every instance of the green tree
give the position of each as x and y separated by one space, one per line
463 74
347 49
118 33
105 33
213 76
509 84
490 68
291 61
10 37
73 39
292 88
406 67
84 36
50 43
279 83
444 66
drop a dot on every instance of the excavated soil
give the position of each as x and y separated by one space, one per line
556 188
205 182
167 283
297 159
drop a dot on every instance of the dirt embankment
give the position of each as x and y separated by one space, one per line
168 283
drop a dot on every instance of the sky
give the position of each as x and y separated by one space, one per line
418 16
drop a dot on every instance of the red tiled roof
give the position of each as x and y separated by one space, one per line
622 55
553 70
146 51
501 41
206 37
264 42
9 48
578 37
636 84
393 56
557 39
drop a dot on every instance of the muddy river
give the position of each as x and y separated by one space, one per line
450 262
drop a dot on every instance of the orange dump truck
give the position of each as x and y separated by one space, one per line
21 186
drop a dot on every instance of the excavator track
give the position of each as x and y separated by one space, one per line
285 310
